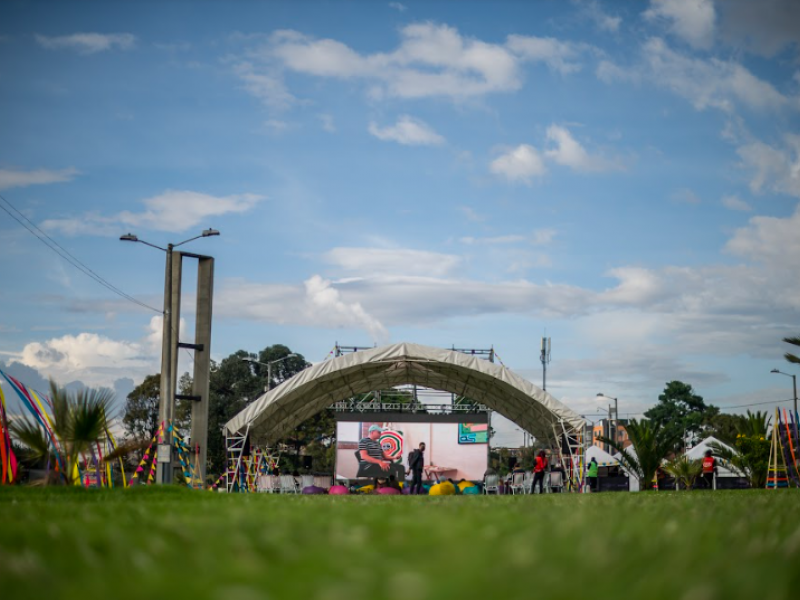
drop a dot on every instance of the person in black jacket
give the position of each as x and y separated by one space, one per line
416 460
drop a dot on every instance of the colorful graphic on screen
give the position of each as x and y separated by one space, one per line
473 433
392 444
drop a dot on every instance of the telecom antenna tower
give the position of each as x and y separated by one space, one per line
545 358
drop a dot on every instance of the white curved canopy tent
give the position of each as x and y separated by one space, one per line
277 412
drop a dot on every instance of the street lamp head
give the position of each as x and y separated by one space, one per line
600 395
210 232
774 371
128 237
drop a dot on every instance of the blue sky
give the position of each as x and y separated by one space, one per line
623 177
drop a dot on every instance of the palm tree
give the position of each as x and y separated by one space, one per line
78 420
751 457
684 470
651 443
792 358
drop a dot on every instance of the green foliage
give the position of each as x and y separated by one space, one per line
724 427
792 358
680 411
684 470
234 384
140 418
79 421
652 444
752 444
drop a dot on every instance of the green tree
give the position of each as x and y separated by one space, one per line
234 384
723 426
680 411
140 418
651 443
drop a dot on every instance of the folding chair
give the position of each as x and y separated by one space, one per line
491 483
288 485
517 480
555 481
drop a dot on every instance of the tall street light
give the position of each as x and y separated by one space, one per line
794 385
168 336
269 367
616 416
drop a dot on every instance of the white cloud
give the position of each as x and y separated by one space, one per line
771 241
431 60
604 22
11 178
471 214
609 72
408 131
316 303
735 203
557 55
174 211
491 241
708 83
88 43
542 237
686 196
276 126
569 152
519 164
371 262
327 123
398 7
266 86
777 169
691 20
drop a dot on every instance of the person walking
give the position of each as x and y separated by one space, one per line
416 461
709 469
591 475
539 468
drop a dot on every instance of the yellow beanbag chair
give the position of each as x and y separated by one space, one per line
443 489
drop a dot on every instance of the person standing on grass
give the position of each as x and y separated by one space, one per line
539 467
416 461
709 468
591 475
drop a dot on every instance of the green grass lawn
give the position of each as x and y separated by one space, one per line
171 543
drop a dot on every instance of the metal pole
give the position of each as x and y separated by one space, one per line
794 385
269 376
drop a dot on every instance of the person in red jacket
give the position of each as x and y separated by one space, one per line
709 468
539 467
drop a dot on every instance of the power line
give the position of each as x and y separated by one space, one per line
67 256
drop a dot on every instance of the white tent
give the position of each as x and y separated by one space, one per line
634 479
699 451
277 412
603 458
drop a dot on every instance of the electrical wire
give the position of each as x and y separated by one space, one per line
67 256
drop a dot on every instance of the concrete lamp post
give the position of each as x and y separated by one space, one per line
170 344
794 385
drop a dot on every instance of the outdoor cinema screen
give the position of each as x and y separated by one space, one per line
454 450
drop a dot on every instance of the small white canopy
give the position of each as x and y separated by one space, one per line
699 451
277 412
603 458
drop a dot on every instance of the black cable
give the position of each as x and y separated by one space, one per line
66 255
